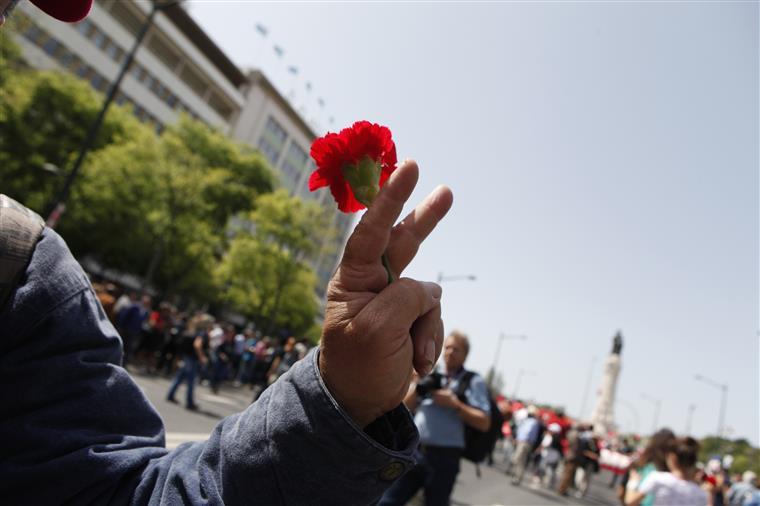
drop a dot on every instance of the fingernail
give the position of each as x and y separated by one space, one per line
434 289
430 354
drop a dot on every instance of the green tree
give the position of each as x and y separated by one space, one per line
44 118
746 457
159 206
266 274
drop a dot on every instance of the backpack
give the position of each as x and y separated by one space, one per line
20 229
478 445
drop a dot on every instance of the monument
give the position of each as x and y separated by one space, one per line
603 415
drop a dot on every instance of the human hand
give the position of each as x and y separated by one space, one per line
376 334
445 398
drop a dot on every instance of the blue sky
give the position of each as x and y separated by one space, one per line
604 163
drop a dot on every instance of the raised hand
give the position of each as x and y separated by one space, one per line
376 334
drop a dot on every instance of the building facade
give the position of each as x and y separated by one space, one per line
177 69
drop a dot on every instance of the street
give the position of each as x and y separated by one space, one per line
492 488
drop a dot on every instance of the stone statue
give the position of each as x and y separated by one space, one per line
617 343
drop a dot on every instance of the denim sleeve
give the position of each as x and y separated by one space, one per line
77 429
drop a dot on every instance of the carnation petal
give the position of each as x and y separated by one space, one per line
317 180
344 196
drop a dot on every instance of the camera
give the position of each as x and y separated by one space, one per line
428 384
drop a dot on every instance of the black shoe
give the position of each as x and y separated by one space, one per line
192 407
172 400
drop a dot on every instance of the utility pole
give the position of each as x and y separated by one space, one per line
57 206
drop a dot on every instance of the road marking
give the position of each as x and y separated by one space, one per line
174 439
220 400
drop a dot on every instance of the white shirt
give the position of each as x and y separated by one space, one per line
671 491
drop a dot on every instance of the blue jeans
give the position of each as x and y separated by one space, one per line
436 470
187 373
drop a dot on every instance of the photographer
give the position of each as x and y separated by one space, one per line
444 404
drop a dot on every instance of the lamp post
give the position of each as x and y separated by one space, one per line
502 336
657 405
689 417
588 387
58 205
457 277
723 387
520 374
633 410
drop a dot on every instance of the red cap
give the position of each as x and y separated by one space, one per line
70 11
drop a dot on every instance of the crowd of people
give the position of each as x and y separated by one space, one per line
158 338
544 445
539 445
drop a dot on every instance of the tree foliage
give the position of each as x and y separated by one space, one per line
164 202
43 119
266 273
160 206
746 457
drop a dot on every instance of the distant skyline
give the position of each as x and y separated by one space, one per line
604 164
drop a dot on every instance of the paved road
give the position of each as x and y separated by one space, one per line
491 489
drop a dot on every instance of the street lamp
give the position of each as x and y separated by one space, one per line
520 374
58 205
633 410
657 405
588 386
689 417
723 387
502 336
458 277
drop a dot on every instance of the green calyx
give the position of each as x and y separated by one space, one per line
364 179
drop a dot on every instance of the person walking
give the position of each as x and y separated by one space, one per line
193 357
675 486
528 434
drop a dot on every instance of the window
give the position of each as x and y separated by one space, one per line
85 27
163 51
171 100
126 16
115 52
83 70
148 80
138 71
98 82
193 80
221 107
50 46
272 140
294 162
31 32
99 39
66 58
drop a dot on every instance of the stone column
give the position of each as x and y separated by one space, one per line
603 416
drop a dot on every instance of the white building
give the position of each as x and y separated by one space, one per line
179 68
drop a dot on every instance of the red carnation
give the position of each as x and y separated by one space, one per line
355 163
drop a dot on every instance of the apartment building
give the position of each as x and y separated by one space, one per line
178 68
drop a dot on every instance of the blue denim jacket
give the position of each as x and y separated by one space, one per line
76 429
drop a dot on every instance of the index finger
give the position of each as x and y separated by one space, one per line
370 237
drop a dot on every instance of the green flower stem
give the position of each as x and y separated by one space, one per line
387 266
364 180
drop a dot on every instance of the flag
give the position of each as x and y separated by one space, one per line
293 69
321 102
279 51
262 29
